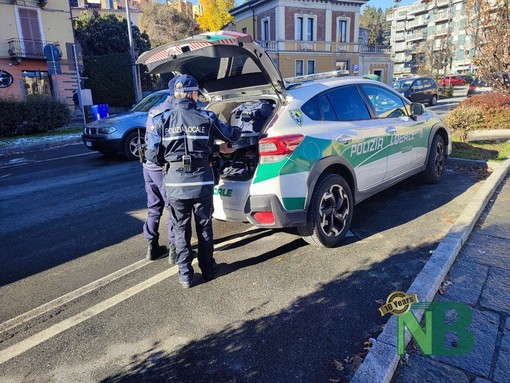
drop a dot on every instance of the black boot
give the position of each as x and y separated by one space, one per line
172 254
154 251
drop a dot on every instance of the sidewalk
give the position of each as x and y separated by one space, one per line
68 134
480 277
475 257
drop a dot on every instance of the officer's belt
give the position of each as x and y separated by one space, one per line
195 163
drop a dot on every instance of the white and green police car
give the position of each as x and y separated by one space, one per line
309 152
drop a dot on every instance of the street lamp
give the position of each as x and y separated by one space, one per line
132 53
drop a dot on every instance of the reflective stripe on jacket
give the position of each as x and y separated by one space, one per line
186 129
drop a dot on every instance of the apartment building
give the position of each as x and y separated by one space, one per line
185 7
31 31
198 10
116 7
430 33
306 37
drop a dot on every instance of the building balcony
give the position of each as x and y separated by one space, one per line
417 8
443 3
441 32
400 47
421 22
400 37
295 46
374 49
271 46
442 16
28 49
421 35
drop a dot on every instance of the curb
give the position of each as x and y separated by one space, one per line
382 359
488 135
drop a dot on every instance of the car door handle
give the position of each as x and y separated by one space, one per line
391 130
344 139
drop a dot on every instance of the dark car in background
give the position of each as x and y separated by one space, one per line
482 86
418 89
122 133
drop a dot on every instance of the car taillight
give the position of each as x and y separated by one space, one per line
274 149
264 217
472 87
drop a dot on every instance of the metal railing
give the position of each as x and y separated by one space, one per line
322 46
30 49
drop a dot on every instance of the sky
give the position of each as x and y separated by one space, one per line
373 3
384 4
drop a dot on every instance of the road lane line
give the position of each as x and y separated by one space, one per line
50 332
64 299
55 303
15 165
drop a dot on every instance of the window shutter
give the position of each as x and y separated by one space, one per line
31 32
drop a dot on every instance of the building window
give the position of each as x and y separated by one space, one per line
36 83
342 34
299 67
299 29
31 34
342 65
310 66
305 27
245 30
264 30
310 29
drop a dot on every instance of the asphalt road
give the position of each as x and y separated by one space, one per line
78 303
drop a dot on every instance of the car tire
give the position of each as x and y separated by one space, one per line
131 144
433 100
435 162
330 212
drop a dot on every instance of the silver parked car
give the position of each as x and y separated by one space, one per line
122 133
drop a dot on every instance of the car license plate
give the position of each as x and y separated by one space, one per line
88 143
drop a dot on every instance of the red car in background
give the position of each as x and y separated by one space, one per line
452 81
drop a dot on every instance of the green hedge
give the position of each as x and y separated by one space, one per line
110 79
34 115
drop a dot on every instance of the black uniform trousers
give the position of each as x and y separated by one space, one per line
180 215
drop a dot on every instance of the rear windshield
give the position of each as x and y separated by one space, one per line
145 104
402 84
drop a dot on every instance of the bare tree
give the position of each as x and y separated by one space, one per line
164 24
489 29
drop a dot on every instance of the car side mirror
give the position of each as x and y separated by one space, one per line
417 109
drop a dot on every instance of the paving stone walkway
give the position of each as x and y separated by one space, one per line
480 278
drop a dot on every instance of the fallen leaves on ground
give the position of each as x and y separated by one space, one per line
444 286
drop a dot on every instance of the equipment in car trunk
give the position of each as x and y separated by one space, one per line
250 116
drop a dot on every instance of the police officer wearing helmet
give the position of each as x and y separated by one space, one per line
183 139
155 189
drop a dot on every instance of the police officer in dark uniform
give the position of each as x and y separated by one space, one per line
155 188
183 139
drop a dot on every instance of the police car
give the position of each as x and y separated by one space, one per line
310 151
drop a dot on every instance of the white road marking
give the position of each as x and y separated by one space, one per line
58 328
36 339
30 162
51 305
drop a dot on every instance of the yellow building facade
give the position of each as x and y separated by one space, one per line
29 29
306 37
